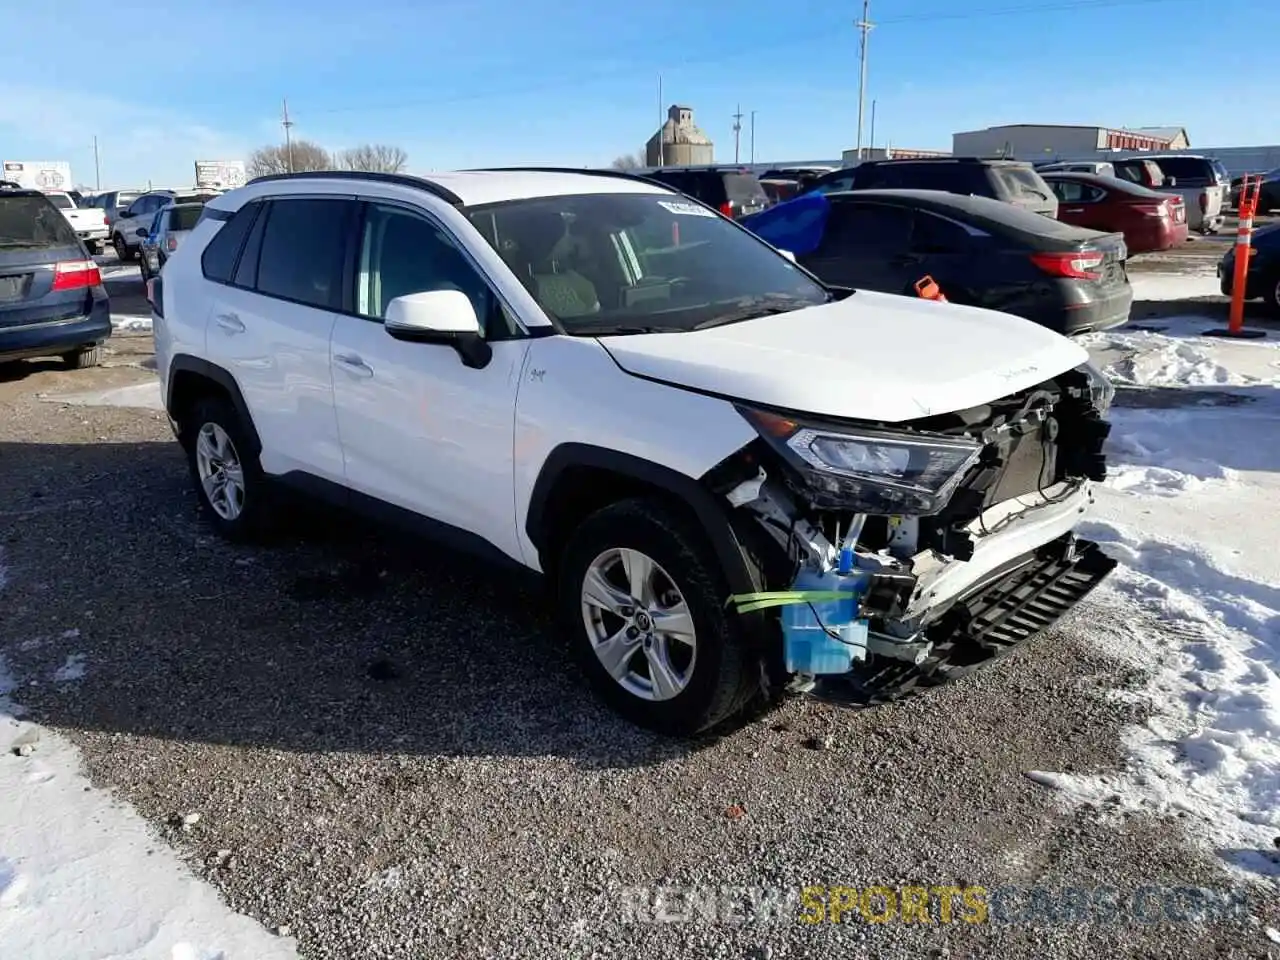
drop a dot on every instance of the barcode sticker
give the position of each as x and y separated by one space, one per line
685 209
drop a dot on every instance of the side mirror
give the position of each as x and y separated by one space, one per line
1170 181
439 316
789 255
142 232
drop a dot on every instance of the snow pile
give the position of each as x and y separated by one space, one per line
1189 510
130 324
1176 286
82 875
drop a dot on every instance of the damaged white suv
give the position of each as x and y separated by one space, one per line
739 481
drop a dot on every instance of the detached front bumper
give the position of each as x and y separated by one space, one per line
1024 597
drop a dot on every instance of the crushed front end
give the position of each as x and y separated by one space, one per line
904 555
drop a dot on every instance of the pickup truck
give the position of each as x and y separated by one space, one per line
1203 183
89 223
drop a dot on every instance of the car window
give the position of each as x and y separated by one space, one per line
933 234
1188 171
302 251
863 228
743 187
1075 191
33 222
123 200
157 223
61 201
184 217
837 184
1023 184
626 262
219 257
402 252
247 269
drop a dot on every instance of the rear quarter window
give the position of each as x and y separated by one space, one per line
219 258
33 222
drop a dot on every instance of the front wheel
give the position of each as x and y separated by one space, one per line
123 254
643 599
1273 296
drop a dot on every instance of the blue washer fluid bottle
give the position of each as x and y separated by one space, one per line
808 647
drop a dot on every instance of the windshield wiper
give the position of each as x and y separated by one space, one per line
610 330
754 309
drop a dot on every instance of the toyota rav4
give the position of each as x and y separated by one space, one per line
737 481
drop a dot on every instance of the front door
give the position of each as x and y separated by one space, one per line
419 429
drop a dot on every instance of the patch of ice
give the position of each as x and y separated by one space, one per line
71 670
144 396
130 324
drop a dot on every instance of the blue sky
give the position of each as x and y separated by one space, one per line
460 83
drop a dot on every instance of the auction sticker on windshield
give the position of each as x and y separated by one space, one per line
685 209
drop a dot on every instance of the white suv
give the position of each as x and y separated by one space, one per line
738 481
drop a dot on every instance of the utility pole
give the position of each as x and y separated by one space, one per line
288 139
753 137
97 170
662 128
737 131
871 145
864 27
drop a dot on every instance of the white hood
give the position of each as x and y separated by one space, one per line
871 356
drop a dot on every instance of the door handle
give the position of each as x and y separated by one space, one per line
1074 210
229 322
353 365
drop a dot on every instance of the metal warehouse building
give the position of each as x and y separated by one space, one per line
1037 142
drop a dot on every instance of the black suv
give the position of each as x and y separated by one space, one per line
734 191
52 303
1009 180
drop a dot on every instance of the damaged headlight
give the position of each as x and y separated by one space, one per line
870 471
1101 390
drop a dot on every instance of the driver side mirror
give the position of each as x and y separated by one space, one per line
142 232
443 317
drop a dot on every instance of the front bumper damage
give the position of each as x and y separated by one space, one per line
938 594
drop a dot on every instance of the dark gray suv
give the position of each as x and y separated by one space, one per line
1012 181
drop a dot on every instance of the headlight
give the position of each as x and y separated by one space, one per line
870 471
1101 389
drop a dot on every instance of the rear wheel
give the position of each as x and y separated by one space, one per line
229 480
82 359
643 598
123 254
1273 295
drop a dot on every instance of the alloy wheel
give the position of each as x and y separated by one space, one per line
221 475
639 624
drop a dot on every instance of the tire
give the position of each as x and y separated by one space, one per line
143 269
123 253
82 359
208 420
710 680
1272 294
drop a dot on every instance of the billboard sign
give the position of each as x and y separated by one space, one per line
38 174
220 174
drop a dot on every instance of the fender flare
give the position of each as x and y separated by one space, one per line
185 363
711 514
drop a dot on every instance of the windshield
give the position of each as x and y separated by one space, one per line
33 222
640 263
743 187
125 199
1026 183
61 201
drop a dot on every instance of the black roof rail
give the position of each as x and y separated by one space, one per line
586 171
399 179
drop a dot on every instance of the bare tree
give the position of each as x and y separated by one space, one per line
301 155
629 161
376 157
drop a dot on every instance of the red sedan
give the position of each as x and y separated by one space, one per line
1148 219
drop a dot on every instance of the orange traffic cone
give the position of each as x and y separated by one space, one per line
927 289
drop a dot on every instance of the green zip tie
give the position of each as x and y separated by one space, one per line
750 602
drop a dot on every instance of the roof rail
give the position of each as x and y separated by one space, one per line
400 179
586 171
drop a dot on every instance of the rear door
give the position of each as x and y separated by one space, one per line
1079 204
34 238
271 322
865 244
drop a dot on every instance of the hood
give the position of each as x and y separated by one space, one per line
871 356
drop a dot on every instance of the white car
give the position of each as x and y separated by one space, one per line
588 376
89 223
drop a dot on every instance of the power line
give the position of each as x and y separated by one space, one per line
741 51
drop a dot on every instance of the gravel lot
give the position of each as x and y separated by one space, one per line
392 757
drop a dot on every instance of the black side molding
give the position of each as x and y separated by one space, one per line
184 363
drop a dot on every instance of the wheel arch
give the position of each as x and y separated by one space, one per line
191 378
577 479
